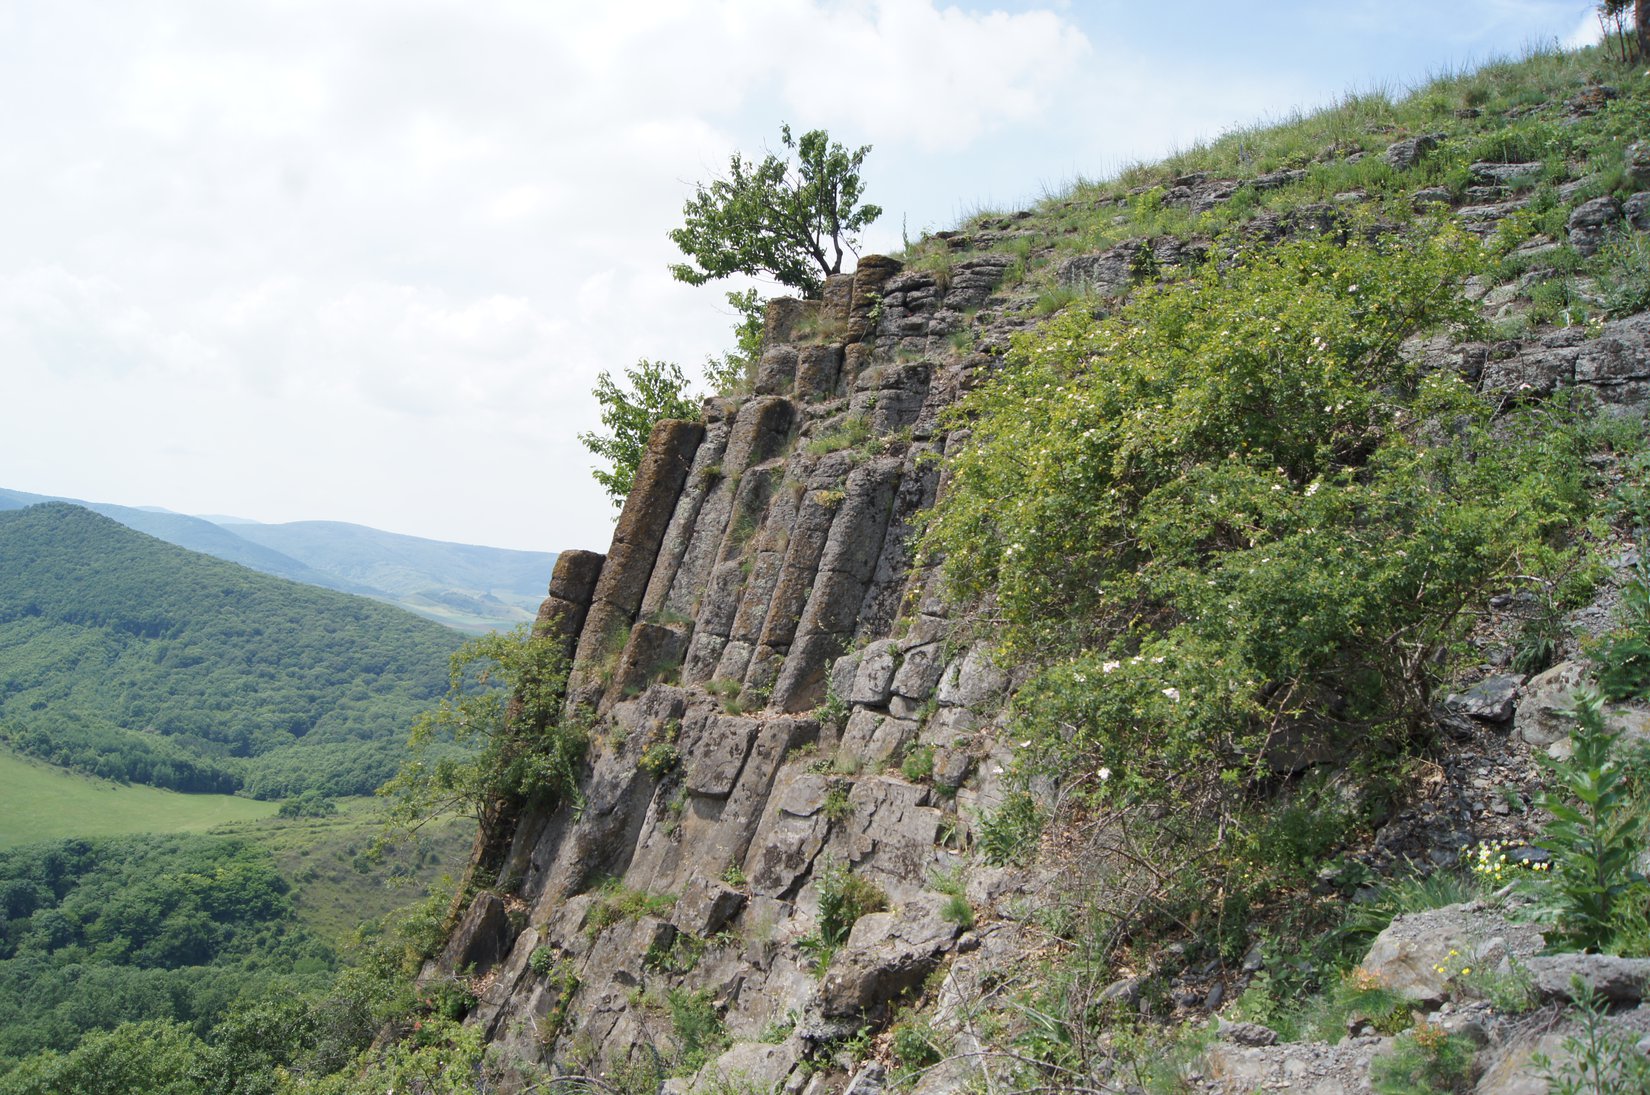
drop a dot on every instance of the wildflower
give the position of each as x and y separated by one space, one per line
1109 667
1173 694
1104 774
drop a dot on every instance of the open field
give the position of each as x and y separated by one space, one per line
41 802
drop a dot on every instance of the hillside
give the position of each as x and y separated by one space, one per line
1188 636
127 657
465 586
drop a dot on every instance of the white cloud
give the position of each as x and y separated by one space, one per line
337 258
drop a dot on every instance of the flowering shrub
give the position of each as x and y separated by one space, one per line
1233 523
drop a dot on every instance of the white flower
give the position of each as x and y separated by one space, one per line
1157 661
1110 667
1104 774
1313 489
997 771
1026 744
1173 694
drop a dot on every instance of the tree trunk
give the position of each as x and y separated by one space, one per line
1641 27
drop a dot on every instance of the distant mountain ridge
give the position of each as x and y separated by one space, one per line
128 657
466 586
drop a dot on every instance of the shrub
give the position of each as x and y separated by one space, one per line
844 897
1236 516
1595 838
1423 1062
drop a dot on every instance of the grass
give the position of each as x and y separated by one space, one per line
338 883
39 801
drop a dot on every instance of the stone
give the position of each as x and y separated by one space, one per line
717 758
1590 223
919 673
1246 1034
749 1067
1619 355
1637 158
1636 211
1405 154
1513 175
972 679
818 369
783 316
1431 195
1616 980
1406 956
1107 273
874 678
1542 716
1489 700
481 939
705 906
886 955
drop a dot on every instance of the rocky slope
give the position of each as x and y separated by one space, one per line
780 691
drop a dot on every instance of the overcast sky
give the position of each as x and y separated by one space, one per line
362 260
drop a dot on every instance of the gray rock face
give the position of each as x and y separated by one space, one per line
1489 700
1408 152
1590 223
1406 956
973 679
1542 718
1616 980
481 939
886 954
1506 174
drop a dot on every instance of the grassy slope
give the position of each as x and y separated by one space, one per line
41 802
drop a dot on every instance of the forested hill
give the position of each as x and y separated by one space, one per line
130 658
467 586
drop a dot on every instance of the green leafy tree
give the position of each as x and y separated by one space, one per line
789 220
1614 13
497 741
654 393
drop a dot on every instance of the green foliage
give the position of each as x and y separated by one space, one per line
1600 1060
1595 837
616 903
1425 1061
1623 657
654 392
497 742
788 220
734 373
1234 514
128 658
851 432
844 897
174 929
308 804
837 805
155 1057
918 765
659 759
699 1030
1009 834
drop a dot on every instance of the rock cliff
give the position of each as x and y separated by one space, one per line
782 699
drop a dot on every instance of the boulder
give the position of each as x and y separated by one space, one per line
1405 154
1615 980
887 954
1590 223
1419 954
1542 716
1489 700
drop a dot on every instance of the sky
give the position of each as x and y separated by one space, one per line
363 260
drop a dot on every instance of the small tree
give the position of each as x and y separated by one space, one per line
791 221
497 741
654 393
1613 14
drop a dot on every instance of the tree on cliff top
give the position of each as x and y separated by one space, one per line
655 392
792 221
